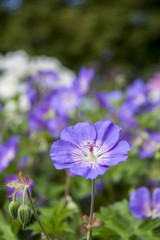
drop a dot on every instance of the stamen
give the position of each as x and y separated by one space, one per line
90 146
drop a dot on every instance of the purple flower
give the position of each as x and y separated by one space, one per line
83 80
8 152
13 177
47 79
31 92
137 94
43 117
88 150
22 162
109 100
154 87
65 99
0 107
126 116
142 205
150 145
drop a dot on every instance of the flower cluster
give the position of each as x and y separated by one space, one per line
51 109
130 108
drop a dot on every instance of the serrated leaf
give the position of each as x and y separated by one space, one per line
119 220
13 184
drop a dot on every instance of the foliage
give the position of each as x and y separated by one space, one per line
120 224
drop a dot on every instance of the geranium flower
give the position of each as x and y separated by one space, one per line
83 80
142 205
109 100
137 95
65 99
8 152
88 150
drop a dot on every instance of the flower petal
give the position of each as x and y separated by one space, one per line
107 133
156 202
61 153
88 170
140 202
79 134
116 155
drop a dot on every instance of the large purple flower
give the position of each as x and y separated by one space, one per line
8 152
142 205
88 150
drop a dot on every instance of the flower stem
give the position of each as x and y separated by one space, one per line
89 233
24 195
67 188
36 216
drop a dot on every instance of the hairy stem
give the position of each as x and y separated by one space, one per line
24 195
36 216
89 233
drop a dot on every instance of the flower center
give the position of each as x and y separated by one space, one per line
91 156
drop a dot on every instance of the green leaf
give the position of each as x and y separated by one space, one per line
5 229
54 220
120 224
20 187
13 184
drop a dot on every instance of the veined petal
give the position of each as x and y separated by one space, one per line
89 170
116 155
79 134
107 134
61 153
140 203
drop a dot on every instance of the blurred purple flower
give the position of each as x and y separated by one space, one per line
137 95
65 99
154 87
8 152
83 80
13 177
98 188
150 145
125 114
71 174
43 117
109 100
31 92
22 162
88 150
0 107
47 79
142 205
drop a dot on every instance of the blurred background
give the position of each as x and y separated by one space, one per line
107 35
69 61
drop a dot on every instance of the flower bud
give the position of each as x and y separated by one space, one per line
24 214
13 209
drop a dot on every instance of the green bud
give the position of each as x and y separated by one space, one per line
13 209
24 214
